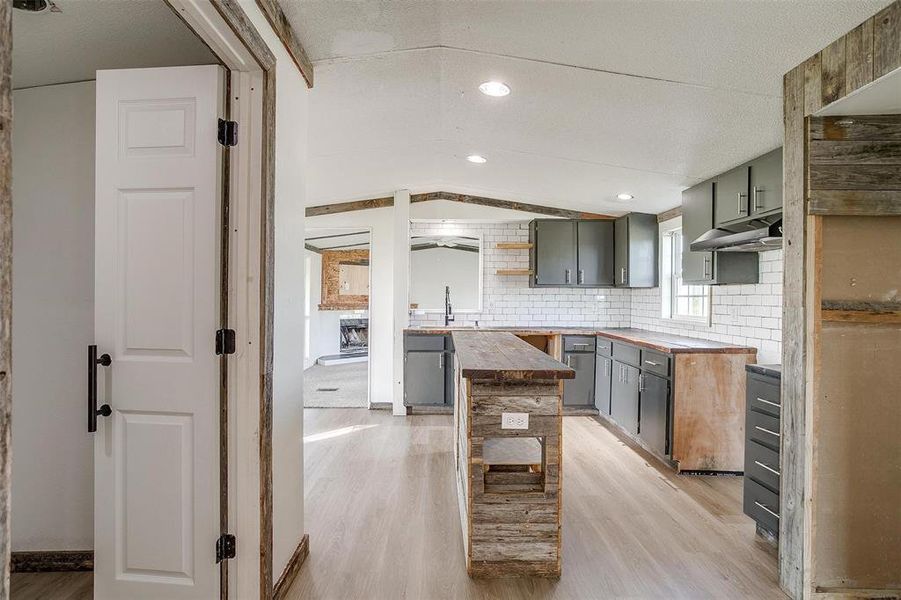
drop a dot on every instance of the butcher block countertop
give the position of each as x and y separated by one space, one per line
663 342
500 355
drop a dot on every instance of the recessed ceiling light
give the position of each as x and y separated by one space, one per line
624 196
494 88
475 158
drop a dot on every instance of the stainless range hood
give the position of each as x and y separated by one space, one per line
756 236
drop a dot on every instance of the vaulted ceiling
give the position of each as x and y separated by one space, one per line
608 96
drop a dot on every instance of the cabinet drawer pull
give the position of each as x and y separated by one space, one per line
765 430
582 344
767 467
652 363
766 509
768 402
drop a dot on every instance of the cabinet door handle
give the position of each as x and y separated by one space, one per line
581 276
622 275
765 430
766 509
569 360
707 261
606 368
741 207
757 191
767 467
441 360
567 275
640 382
768 402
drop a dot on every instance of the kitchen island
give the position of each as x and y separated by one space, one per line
508 431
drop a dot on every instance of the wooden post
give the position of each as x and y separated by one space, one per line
6 264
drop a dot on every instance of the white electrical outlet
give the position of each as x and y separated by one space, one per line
514 420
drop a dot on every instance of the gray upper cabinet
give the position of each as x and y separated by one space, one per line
731 201
635 256
595 253
766 183
554 252
697 219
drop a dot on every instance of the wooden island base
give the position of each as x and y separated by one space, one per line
508 480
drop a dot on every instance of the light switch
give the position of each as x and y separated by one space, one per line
514 420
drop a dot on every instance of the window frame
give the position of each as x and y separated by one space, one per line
671 279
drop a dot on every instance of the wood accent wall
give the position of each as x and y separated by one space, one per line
332 298
6 265
812 348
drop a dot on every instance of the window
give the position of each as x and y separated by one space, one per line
680 301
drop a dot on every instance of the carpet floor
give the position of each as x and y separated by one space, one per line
336 386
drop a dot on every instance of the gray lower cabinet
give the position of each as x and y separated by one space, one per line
762 448
624 396
635 250
653 412
428 370
579 392
603 379
595 253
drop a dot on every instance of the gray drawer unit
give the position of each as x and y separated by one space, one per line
578 343
762 448
425 341
762 505
762 465
625 353
655 362
763 429
605 347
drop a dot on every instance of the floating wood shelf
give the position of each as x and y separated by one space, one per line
514 271
514 245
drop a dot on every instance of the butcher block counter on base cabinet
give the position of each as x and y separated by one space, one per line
681 399
508 435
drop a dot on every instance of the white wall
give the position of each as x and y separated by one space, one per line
290 196
381 293
53 322
433 269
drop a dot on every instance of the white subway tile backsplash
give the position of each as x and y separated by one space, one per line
748 315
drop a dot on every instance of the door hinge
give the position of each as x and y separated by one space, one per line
225 341
228 132
225 547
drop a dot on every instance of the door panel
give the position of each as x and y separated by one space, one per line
579 391
424 379
595 254
556 253
624 397
602 381
766 183
157 290
697 219
621 251
653 411
732 195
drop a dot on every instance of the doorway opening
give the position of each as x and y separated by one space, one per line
337 315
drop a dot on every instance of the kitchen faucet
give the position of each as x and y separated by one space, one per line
448 309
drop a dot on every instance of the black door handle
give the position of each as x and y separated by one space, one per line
93 411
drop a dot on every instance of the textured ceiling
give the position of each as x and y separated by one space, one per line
608 96
89 35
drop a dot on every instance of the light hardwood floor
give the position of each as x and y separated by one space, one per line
382 516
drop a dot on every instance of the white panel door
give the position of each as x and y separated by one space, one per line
156 457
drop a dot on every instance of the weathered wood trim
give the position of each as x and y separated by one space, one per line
855 311
6 259
289 574
669 214
237 20
863 203
339 207
45 561
282 28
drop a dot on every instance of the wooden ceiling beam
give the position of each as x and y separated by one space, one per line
330 209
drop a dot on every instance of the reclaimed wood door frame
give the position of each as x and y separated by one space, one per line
864 54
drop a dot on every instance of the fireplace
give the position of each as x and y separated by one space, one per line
354 335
